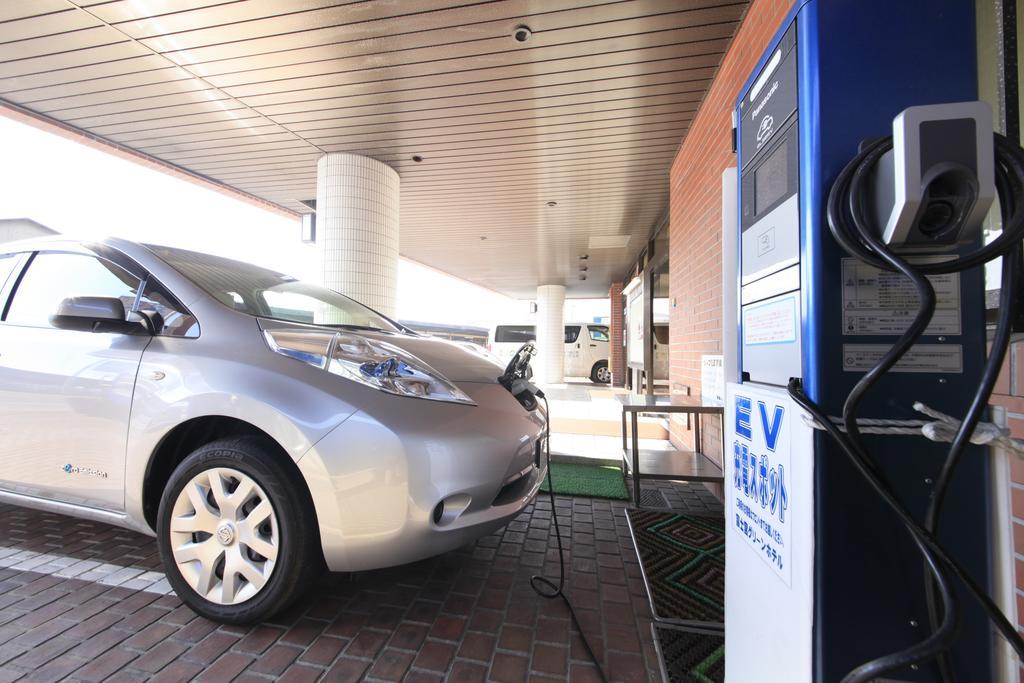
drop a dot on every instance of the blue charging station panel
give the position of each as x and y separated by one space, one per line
836 74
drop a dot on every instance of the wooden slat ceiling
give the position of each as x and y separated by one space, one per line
588 113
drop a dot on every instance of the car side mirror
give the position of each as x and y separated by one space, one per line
96 314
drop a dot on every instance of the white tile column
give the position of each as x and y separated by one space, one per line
357 200
549 365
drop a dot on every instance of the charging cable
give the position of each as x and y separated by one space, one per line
848 218
543 586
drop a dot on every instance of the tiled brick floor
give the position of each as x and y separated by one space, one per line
469 615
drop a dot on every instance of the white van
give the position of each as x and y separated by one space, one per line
586 348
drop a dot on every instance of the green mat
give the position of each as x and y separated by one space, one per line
594 481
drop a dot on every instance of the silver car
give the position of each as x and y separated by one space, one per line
260 427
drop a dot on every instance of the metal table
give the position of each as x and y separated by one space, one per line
674 465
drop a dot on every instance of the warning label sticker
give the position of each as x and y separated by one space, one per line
773 322
880 302
921 358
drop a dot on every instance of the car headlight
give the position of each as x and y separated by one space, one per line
369 362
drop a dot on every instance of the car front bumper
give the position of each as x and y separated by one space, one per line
407 479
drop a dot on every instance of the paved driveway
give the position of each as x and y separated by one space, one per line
86 601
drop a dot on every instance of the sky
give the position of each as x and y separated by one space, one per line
87 193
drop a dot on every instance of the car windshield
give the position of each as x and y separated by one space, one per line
268 294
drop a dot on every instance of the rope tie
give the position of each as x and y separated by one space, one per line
941 428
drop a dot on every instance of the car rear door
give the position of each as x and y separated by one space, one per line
510 338
597 345
574 352
65 396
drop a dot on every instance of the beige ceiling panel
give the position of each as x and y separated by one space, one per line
240 117
47 24
113 87
459 22
542 111
128 10
575 152
475 205
176 38
251 137
201 132
619 49
218 108
213 166
432 180
488 38
511 144
210 20
74 41
140 97
90 77
205 99
75 58
582 123
579 82
688 56
238 151
11 10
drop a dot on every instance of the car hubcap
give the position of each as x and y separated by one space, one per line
603 375
224 536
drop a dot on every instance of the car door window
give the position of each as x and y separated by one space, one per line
572 333
175 320
53 277
599 334
515 334
7 263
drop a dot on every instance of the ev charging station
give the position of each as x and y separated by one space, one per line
821 575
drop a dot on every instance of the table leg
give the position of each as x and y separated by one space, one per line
623 428
697 441
636 460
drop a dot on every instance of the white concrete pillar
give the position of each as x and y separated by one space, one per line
357 200
549 365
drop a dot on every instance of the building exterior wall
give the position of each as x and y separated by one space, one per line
1009 396
616 349
695 217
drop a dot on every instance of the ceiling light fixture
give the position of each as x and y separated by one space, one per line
417 158
552 203
522 33
584 257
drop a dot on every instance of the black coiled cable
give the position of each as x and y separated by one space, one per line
543 586
850 223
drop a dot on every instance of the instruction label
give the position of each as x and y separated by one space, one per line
880 302
773 322
712 378
947 358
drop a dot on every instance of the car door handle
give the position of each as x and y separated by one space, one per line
593 346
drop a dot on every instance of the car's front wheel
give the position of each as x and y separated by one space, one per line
600 374
235 532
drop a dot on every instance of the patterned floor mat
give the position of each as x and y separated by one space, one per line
692 657
683 558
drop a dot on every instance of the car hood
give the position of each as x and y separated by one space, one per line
455 360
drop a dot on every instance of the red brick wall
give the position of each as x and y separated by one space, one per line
617 352
695 215
1009 394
